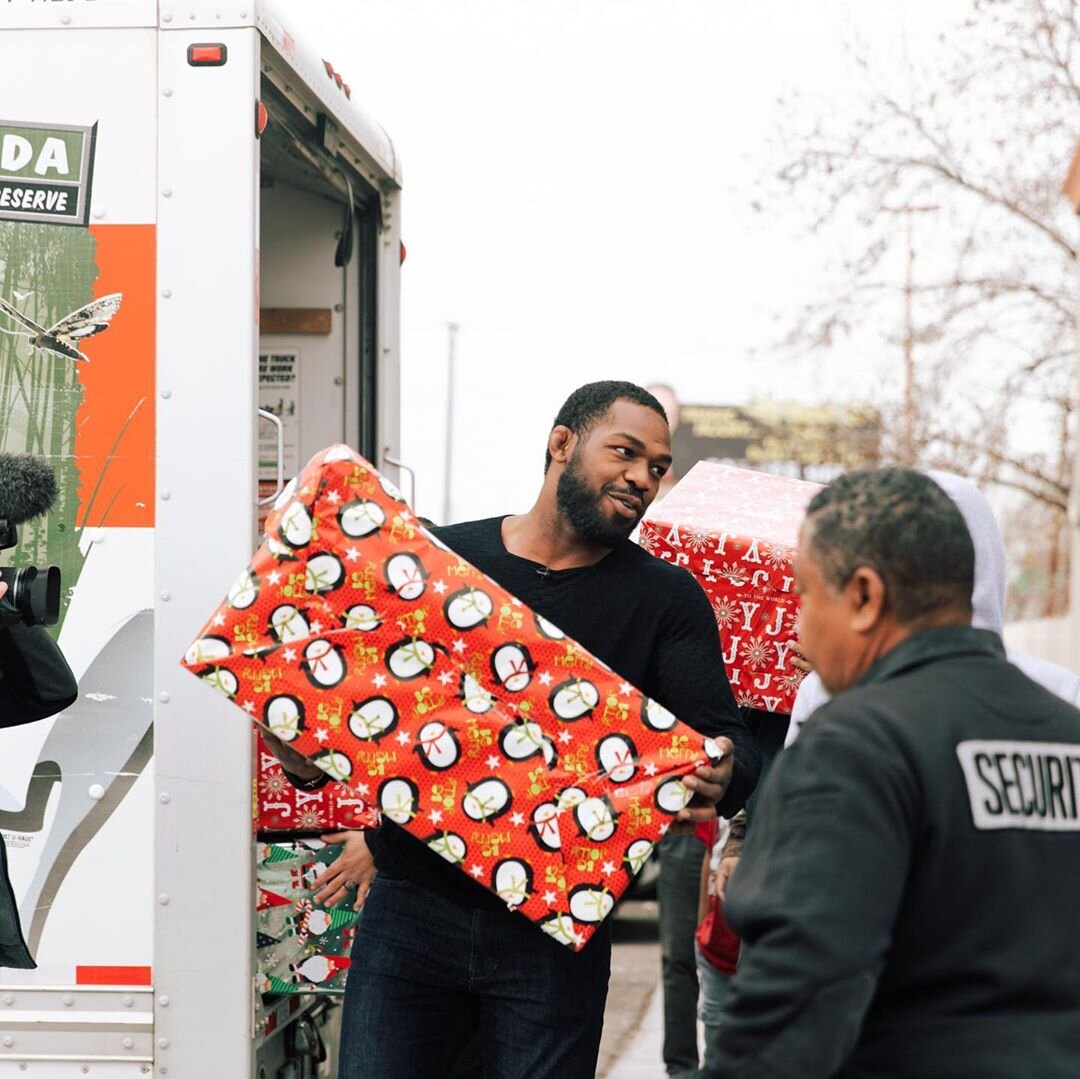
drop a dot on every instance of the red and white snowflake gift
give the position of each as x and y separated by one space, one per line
735 530
282 808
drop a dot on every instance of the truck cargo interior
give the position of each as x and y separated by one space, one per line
319 229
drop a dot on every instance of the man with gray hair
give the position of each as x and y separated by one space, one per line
907 894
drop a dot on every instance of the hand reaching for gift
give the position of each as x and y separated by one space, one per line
708 785
353 868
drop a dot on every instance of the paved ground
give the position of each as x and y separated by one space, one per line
641 1057
630 1047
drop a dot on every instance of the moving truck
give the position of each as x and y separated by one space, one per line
199 266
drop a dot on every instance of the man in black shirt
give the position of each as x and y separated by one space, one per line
439 958
908 891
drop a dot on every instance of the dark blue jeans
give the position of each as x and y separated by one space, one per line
681 858
427 975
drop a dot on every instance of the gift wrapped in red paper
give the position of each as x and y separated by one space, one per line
406 673
736 530
282 808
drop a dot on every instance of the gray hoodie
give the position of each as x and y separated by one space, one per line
987 604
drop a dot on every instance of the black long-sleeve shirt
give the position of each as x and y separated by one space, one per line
908 893
648 620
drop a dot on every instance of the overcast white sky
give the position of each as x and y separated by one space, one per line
578 185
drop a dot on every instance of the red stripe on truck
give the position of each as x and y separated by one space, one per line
112 976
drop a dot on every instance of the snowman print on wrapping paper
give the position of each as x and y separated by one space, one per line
590 903
335 764
399 800
474 696
655 716
360 519
637 854
362 617
523 739
296 527
406 576
244 592
373 719
574 699
283 716
487 799
468 608
450 846
324 664
206 650
512 881
410 658
512 666
437 746
288 624
617 757
324 573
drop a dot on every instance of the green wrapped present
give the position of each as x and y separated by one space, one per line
301 946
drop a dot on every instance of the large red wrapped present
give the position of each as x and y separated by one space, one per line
406 673
282 808
736 531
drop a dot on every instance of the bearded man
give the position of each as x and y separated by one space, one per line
439 961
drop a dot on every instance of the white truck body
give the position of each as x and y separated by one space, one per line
128 818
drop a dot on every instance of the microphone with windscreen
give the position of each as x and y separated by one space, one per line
27 490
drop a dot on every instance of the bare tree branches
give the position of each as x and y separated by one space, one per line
977 138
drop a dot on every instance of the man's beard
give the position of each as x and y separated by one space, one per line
579 504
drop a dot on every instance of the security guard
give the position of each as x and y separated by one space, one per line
909 891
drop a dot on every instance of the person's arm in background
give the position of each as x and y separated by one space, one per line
732 852
690 680
355 866
35 680
298 769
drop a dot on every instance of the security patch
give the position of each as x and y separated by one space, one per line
1032 785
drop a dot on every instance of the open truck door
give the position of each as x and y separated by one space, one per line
195 208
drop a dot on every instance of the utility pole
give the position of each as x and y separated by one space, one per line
448 453
907 451
909 346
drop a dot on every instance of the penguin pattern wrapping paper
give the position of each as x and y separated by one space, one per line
457 712
736 531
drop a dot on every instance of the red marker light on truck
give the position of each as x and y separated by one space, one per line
207 55
262 118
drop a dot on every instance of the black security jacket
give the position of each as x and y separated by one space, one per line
909 892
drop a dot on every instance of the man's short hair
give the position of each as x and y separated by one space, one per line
904 526
588 403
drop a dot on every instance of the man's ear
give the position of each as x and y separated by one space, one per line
561 444
865 594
